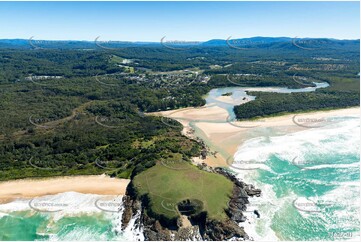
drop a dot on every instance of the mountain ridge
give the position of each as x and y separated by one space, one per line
236 42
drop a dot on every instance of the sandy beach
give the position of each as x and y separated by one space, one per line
225 137
210 122
30 188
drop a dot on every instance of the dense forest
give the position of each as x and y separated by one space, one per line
81 111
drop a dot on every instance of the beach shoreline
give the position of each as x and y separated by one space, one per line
230 136
90 184
225 137
222 135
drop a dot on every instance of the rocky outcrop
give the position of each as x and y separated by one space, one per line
153 230
244 187
237 205
251 191
224 230
199 226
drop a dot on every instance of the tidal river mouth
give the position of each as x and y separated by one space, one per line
309 178
309 175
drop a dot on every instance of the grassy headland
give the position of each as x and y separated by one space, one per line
174 181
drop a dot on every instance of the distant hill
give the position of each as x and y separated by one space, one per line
281 42
254 40
259 42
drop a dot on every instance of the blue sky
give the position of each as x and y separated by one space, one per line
198 21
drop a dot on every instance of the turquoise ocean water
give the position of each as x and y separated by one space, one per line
309 179
310 182
79 218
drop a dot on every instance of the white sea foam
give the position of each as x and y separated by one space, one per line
259 229
340 209
59 205
338 139
17 205
347 197
136 233
345 184
83 234
338 166
78 204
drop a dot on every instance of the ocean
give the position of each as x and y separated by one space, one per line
66 216
309 181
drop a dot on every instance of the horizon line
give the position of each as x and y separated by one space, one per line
160 40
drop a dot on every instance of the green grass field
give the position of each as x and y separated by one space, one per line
172 181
